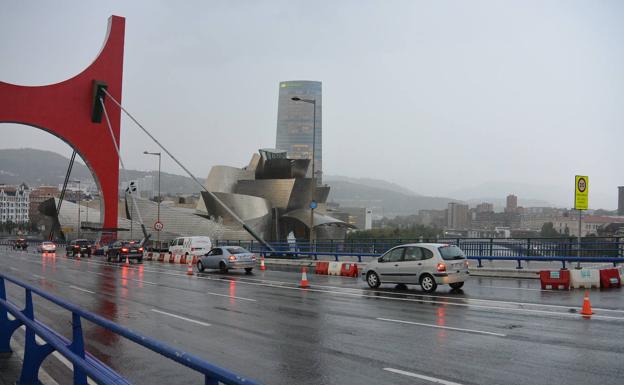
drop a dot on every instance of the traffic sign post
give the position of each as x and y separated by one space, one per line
581 202
158 226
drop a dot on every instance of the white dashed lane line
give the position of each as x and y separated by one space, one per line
442 327
180 317
421 376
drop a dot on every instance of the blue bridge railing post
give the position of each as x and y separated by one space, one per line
7 327
77 346
34 354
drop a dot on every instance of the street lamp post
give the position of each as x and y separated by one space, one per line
158 212
79 227
313 203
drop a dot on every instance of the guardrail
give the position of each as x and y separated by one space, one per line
85 365
563 259
562 246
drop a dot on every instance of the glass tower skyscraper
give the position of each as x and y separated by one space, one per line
295 122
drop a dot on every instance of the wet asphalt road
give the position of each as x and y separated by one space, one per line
495 331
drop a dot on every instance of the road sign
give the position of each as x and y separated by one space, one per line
158 226
313 205
581 192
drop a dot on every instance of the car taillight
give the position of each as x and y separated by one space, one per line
232 258
441 267
124 249
140 249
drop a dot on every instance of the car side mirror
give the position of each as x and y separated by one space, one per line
380 259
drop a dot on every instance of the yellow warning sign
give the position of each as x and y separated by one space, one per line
581 192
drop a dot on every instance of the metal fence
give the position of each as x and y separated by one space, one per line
520 247
85 365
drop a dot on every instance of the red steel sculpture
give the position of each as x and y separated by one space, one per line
68 109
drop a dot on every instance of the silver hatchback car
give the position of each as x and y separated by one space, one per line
424 264
227 257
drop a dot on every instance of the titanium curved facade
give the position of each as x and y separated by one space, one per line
274 203
295 122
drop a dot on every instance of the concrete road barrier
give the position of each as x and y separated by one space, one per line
334 268
585 278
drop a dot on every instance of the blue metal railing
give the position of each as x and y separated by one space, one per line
479 258
84 364
562 246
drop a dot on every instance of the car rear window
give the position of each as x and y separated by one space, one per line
82 243
237 250
451 252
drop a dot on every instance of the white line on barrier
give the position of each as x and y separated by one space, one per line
443 327
180 317
422 377
81 289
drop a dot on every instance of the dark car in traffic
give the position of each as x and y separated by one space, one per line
79 248
20 244
119 251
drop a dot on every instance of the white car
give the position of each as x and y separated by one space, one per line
190 246
424 264
46 247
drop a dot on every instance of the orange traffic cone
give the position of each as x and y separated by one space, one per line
127 260
194 261
587 310
304 278
262 267
189 270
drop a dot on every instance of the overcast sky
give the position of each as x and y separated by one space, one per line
439 96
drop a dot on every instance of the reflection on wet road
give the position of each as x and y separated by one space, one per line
494 331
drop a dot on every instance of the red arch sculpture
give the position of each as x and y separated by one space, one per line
65 110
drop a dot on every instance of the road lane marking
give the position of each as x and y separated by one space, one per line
443 327
232 296
81 289
182 318
422 377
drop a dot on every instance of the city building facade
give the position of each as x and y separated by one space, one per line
512 203
590 225
14 204
37 196
457 216
295 123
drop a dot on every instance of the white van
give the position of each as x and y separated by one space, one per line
190 246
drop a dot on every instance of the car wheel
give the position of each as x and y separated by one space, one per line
373 280
428 283
200 266
248 270
456 285
108 258
223 267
